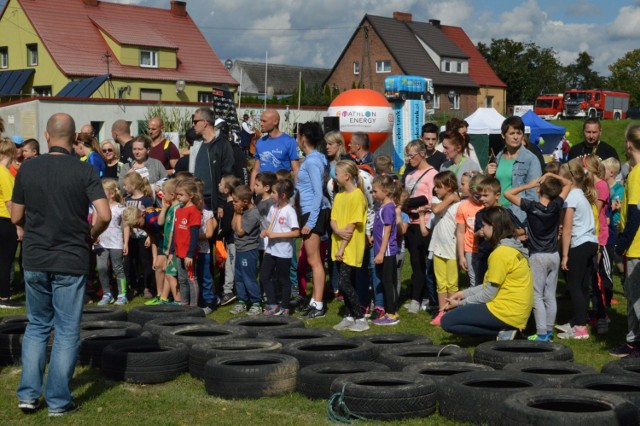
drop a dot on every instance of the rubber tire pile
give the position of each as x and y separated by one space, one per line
376 377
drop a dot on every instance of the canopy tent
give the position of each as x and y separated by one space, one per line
484 131
551 133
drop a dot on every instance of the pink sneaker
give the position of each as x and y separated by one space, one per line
436 320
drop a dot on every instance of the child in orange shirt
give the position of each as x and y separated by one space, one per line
465 222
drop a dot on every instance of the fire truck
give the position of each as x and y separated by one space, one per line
602 104
549 106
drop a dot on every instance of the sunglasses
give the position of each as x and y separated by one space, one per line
194 122
105 150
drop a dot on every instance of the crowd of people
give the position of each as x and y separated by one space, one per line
164 219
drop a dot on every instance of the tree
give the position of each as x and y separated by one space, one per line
527 69
579 75
625 75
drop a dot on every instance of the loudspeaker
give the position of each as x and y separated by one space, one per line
331 123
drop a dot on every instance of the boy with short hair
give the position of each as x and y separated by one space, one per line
246 231
262 188
489 190
543 221
30 149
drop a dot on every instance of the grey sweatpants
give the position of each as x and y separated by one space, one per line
544 268
229 266
632 292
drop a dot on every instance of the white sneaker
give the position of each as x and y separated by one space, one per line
414 307
576 332
344 324
359 325
565 328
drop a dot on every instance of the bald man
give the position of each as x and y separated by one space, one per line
87 129
161 148
121 133
51 198
275 150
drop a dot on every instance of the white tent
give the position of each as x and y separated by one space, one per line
485 121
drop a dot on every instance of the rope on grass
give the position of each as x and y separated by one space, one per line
445 347
337 410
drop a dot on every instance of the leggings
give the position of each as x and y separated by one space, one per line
417 245
303 265
348 291
103 257
139 258
386 274
581 265
9 238
472 320
276 270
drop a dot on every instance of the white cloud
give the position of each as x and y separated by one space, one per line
627 23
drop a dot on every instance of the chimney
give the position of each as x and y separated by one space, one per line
178 8
435 22
402 16
91 2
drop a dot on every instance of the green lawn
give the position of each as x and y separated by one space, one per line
185 402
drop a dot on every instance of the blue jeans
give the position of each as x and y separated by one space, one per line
472 320
247 287
203 272
52 300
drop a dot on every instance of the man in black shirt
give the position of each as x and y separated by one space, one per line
51 198
121 133
592 143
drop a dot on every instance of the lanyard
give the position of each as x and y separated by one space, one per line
458 166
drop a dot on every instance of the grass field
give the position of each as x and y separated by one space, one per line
185 402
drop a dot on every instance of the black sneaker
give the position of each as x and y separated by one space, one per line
29 407
10 304
68 409
623 350
311 312
227 298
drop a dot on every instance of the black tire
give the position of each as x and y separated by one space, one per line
385 395
383 341
397 358
200 333
475 397
556 372
290 335
314 381
567 407
157 326
330 349
11 335
624 386
439 371
624 367
201 353
256 326
89 326
92 343
13 318
143 314
497 354
143 360
250 375
103 313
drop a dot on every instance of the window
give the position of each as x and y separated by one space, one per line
32 55
456 102
149 58
41 91
458 66
205 98
150 94
436 101
4 57
446 66
488 102
356 68
383 66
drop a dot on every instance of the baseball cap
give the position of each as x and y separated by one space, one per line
17 139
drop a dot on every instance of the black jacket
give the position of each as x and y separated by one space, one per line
221 163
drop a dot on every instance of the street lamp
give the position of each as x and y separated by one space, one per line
228 64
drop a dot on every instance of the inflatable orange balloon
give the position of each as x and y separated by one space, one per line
363 110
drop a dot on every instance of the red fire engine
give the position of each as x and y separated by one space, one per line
549 107
596 104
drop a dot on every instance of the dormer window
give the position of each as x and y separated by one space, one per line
149 58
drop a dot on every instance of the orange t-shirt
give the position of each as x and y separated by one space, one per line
467 215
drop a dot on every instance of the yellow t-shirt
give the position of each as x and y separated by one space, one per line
509 269
6 190
631 196
350 207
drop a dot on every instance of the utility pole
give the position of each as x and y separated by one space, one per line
106 57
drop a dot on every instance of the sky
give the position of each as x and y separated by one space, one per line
314 32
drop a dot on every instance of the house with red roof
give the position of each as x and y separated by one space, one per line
383 46
101 50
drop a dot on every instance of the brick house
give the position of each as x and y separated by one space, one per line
383 46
